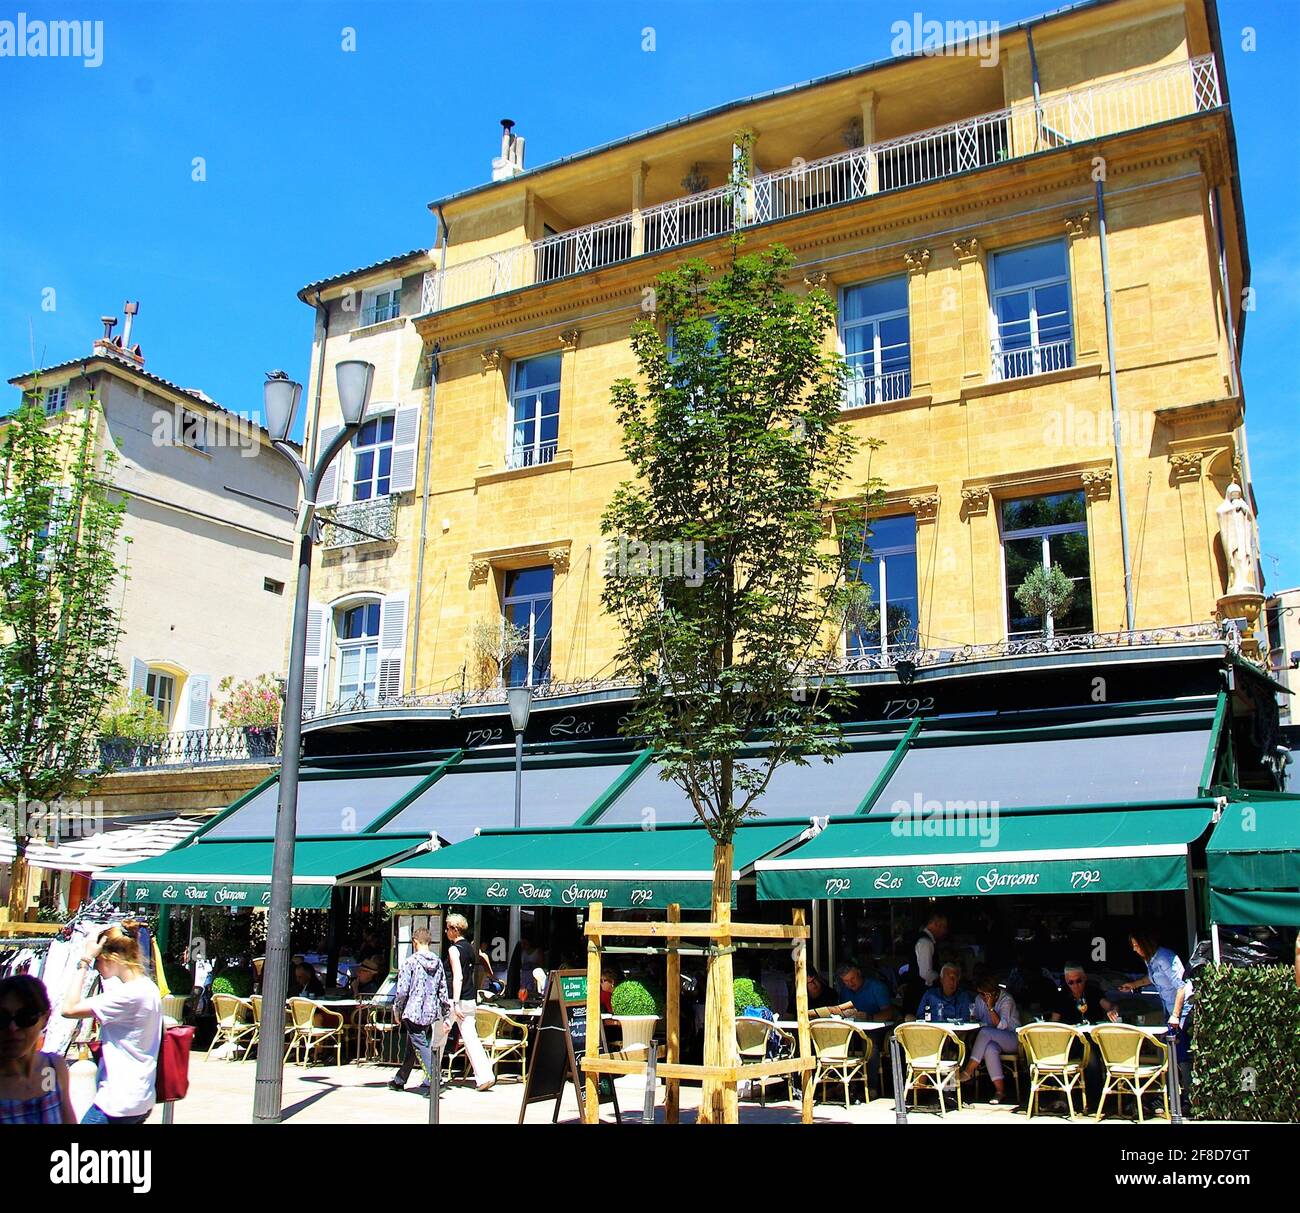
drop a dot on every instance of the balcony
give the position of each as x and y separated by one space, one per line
226 746
1033 359
354 522
1125 104
867 383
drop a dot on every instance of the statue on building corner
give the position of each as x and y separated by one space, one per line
1237 533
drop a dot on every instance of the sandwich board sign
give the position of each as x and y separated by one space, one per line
558 1043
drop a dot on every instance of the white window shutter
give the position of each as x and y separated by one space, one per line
196 717
139 673
392 645
316 663
406 433
328 492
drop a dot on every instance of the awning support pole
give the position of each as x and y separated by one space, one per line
1214 940
1189 908
900 1094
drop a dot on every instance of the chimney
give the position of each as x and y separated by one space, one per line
511 161
117 347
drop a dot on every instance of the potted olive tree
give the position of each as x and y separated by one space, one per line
131 731
1045 593
254 705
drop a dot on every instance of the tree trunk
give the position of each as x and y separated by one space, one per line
717 1098
18 883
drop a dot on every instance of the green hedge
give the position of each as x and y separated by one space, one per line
748 993
1246 1032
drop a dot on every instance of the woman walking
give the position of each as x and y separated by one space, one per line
129 1012
462 959
33 1085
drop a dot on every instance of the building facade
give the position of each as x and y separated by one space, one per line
1039 267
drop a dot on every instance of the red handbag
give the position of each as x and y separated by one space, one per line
173 1081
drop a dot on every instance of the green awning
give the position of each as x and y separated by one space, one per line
239 873
1255 908
1253 863
623 867
1084 852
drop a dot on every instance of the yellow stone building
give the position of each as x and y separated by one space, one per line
1040 262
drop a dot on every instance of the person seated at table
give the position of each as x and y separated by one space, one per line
945 1001
822 998
304 982
995 1010
608 980
867 996
1081 1001
369 976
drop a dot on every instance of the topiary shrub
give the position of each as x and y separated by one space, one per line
748 993
1246 1044
238 982
634 998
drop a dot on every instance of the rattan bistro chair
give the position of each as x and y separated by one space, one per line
505 1040
1058 1054
235 1024
835 1046
308 1036
934 1055
752 1037
1127 1072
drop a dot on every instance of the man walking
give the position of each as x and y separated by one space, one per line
422 1008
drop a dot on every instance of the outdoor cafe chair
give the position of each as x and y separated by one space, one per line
1058 1054
838 1059
752 1039
505 1040
1127 1072
308 1036
235 1024
934 1054
378 1029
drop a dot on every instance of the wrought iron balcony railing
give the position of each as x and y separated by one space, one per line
225 746
1125 103
1031 359
353 522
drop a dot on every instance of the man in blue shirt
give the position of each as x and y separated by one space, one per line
946 1002
869 997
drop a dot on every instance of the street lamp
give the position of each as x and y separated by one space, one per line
280 400
520 700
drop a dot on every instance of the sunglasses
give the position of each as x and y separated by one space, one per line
21 1019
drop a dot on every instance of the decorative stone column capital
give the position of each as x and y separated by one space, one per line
479 571
814 279
1186 465
1078 225
559 558
916 259
491 359
968 249
1096 483
925 508
569 339
975 500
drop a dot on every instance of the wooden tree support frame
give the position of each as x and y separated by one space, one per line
672 1069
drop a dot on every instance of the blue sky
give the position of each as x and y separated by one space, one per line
318 160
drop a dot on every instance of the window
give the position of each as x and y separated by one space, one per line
271 586
534 411
381 303
876 342
891 573
193 432
372 459
528 608
1051 532
1031 311
357 631
161 690
56 399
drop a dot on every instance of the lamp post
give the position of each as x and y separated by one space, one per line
281 397
520 700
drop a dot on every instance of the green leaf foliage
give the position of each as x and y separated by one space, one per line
132 717
1246 1044
635 998
238 982
1044 592
60 592
748 993
720 569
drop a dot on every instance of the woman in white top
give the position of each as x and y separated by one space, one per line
129 1011
996 1010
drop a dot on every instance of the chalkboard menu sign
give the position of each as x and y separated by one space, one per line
558 1042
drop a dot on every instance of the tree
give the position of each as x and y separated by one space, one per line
60 518
1046 592
728 589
